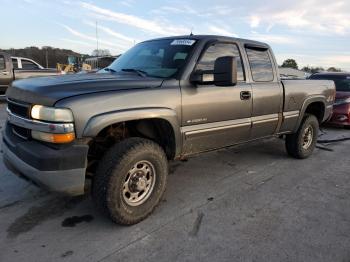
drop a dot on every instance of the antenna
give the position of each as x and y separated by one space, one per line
97 38
191 34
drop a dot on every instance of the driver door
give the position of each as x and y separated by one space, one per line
216 116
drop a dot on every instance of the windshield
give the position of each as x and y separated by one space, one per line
159 58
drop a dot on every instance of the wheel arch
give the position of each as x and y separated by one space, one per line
316 106
159 124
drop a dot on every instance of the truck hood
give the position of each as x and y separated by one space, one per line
48 90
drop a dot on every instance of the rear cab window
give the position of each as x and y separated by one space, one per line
260 64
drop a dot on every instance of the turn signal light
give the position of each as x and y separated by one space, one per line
53 138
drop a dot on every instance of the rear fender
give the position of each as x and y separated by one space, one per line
306 103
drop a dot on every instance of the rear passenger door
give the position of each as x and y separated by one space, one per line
267 92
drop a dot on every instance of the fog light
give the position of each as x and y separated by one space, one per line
53 138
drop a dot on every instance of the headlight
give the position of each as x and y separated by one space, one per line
51 114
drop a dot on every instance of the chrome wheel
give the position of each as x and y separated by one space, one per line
308 136
139 183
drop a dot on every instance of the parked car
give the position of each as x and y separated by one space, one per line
341 109
12 68
164 99
25 63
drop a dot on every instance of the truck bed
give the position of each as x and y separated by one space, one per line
296 91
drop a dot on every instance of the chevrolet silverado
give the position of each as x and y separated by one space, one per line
164 99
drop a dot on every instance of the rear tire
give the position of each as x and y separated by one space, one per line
301 144
130 180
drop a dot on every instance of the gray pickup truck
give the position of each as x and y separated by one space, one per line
12 68
164 99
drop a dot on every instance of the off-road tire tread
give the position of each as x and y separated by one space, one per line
292 141
114 156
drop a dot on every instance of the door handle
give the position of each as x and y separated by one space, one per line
5 73
246 95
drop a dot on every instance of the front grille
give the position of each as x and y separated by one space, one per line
23 110
21 131
19 108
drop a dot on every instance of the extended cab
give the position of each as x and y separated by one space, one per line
12 68
164 99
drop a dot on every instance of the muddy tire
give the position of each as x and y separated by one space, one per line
301 144
130 180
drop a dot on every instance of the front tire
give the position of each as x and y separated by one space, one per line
301 144
130 180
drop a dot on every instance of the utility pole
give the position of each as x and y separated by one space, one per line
97 38
47 58
97 43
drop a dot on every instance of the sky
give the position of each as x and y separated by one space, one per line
313 32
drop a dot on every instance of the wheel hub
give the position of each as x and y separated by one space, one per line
139 183
308 137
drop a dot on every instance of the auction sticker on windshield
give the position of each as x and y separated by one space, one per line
183 42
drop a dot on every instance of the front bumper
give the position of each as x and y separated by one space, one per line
57 169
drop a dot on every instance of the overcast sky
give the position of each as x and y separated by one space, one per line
314 32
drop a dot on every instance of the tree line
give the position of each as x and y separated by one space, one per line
47 56
291 63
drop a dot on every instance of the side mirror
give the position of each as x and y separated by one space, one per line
202 77
225 71
224 74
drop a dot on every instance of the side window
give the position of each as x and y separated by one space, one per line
217 50
15 63
26 64
260 65
2 63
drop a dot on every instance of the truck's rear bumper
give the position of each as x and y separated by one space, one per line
45 166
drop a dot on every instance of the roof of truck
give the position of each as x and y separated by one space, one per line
215 37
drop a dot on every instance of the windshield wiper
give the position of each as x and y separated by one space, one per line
138 71
109 69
